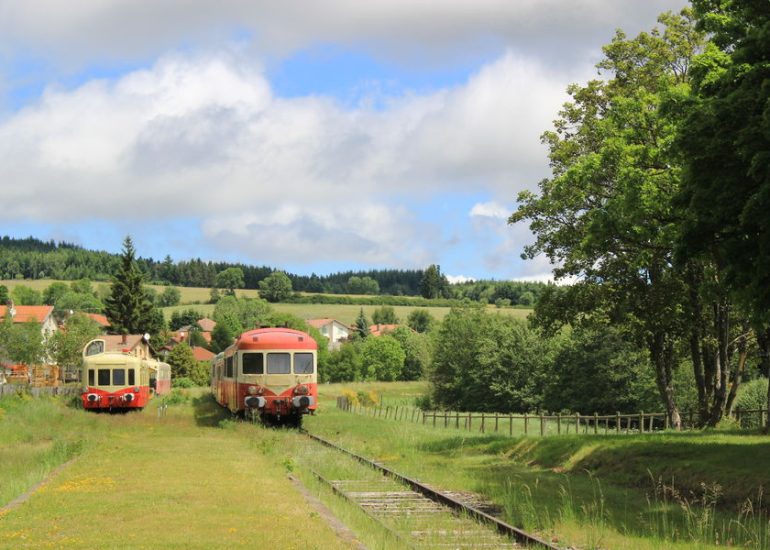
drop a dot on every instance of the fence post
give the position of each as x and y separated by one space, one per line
510 423
542 425
482 422
665 421
445 419
617 422
641 422
526 423
577 423
470 418
596 423
738 416
457 420
495 422
558 424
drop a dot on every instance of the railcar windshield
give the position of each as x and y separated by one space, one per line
103 377
119 377
278 363
253 363
303 363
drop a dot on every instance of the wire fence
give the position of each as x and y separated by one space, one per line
7 390
543 424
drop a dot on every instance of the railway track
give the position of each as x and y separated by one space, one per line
420 516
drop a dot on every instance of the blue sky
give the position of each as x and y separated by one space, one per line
312 137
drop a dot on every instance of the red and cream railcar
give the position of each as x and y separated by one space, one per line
114 380
270 372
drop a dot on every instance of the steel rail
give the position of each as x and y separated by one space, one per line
502 527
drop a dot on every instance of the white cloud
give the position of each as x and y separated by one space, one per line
454 279
490 210
559 30
205 137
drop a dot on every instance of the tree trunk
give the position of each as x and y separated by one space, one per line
721 376
697 330
662 353
763 341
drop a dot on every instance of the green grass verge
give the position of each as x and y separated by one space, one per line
693 490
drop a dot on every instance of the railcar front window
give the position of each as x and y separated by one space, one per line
303 363
91 377
119 377
278 363
103 377
131 377
253 363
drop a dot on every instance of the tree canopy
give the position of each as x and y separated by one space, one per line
128 307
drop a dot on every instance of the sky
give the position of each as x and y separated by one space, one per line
319 136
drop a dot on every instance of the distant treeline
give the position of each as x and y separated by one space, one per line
32 258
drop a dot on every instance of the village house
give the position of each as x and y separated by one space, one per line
380 330
334 330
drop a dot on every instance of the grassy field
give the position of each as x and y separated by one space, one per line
347 313
688 490
197 298
187 480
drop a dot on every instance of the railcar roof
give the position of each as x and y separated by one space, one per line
275 338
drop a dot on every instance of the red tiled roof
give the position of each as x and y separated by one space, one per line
25 314
114 342
99 318
206 324
379 330
318 323
201 354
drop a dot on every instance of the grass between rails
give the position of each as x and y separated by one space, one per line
175 482
692 490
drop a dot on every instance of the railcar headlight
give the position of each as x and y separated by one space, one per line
301 390
252 390
136 389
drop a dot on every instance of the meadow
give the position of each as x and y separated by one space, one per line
197 298
129 475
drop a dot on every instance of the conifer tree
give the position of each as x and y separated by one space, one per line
128 307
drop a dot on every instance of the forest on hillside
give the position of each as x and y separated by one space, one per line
32 258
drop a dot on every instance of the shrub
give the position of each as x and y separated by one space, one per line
751 395
182 382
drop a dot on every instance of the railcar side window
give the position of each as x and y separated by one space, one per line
90 377
229 367
278 363
303 363
119 377
131 377
104 377
253 363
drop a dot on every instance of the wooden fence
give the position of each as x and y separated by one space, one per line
542 424
16 389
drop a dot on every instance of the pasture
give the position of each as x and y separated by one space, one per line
130 475
197 298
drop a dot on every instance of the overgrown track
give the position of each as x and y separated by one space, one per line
388 498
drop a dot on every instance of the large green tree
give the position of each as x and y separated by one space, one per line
276 287
726 144
605 215
66 345
484 362
230 279
128 307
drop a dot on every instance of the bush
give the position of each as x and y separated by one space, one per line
182 382
751 396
